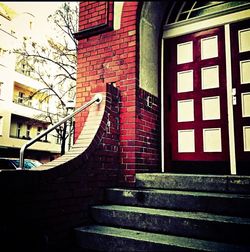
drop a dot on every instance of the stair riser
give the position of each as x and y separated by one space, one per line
227 184
99 242
222 205
202 229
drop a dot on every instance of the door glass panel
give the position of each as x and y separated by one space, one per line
209 47
244 38
212 140
186 110
185 81
246 138
211 108
245 72
186 140
185 52
245 101
210 77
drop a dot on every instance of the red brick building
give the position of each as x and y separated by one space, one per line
174 76
175 66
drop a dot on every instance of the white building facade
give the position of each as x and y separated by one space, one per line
24 113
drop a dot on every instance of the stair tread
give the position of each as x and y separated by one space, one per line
180 192
174 213
164 239
190 175
195 182
169 174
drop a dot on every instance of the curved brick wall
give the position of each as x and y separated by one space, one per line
41 207
90 137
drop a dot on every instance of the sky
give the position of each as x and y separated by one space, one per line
41 10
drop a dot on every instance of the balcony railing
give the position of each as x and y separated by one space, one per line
29 104
29 138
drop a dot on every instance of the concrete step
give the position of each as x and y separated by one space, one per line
104 238
188 224
172 212
219 203
194 182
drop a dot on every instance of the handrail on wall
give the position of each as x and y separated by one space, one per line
97 98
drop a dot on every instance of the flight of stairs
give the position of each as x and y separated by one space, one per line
172 212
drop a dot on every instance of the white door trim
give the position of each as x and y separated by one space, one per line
162 109
232 155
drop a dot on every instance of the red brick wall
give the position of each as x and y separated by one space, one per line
148 132
112 56
95 13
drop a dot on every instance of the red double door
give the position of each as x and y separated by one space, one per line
207 101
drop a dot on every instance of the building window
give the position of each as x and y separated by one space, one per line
46 136
28 131
1 125
58 139
188 10
30 101
20 97
39 130
40 105
19 126
25 69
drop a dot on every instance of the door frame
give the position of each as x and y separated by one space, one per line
176 30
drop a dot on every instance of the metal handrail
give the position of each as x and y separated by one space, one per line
97 98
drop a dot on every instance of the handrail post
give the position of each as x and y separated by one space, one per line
97 99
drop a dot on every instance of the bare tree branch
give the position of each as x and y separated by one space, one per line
54 63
